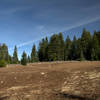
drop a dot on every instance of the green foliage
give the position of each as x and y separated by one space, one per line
28 59
86 43
53 48
73 54
67 49
81 56
34 55
92 54
43 50
4 55
86 47
10 60
56 48
95 47
2 63
24 59
61 47
15 56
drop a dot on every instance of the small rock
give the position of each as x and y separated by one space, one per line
1 82
77 92
65 82
42 73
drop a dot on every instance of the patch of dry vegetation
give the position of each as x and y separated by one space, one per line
51 81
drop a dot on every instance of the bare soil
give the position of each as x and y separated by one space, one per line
71 80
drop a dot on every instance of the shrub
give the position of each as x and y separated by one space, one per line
24 59
2 63
23 62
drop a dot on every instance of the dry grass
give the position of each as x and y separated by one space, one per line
51 81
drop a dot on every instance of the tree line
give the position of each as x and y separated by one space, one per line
86 47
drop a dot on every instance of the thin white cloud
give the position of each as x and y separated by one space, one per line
88 21
91 8
40 27
81 23
13 10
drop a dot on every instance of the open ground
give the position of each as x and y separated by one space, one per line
71 80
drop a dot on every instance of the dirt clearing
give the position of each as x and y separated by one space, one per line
51 81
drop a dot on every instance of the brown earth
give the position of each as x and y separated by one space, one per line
51 81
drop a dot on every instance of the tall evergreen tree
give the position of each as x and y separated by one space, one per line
85 42
15 56
4 55
73 54
67 49
24 59
80 55
46 49
95 47
33 54
40 51
53 48
61 47
98 37
28 59
43 50
93 55
10 60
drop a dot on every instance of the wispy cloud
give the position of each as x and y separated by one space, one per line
13 10
91 8
81 23
41 27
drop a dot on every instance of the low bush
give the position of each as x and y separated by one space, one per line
2 63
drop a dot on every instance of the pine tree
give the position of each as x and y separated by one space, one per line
85 42
28 59
10 59
93 54
67 49
73 53
53 48
81 56
95 47
1 53
98 37
61 47
15 57
33 54
24 59
43 50
46 49
4 55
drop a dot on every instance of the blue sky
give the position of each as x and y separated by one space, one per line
25 22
